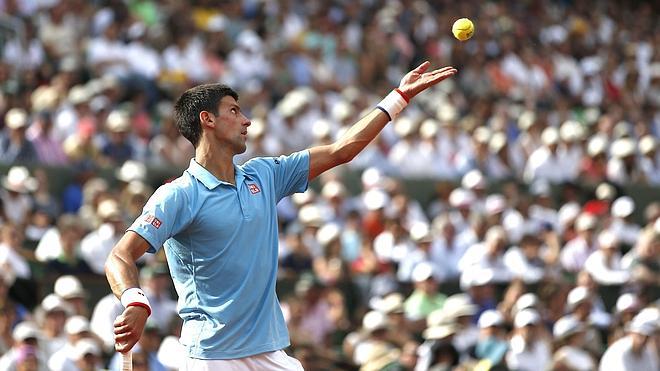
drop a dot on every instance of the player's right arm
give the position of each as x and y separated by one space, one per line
122 274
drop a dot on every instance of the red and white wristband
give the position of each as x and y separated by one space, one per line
135 297
393 103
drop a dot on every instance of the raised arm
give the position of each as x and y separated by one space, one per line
122 274
323 158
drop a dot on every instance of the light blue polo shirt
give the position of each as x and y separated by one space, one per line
221 245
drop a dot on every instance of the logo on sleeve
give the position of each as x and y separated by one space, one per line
153 221
254 189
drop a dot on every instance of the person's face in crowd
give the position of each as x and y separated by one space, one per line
483 293
448 232
140 361
27 361
429 286
79 305
587 235
88 362
229 126
528 333
69 238
73 338
530 249
408 357
54 322
584 279
11 236
639 342
496 247
118 137
583 310
150 340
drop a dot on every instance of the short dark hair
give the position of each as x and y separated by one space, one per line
195 100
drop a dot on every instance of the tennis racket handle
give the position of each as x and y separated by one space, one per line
127 361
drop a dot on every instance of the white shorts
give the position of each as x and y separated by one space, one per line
271 361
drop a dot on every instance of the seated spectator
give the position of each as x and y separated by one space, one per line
576 251
27 351
14 145
71 290
569 335
491 345
426 297
69 259
488 255
525 262
633 351
604 264
528 347
96 245
16 199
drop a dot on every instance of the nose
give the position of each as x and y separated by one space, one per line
246 121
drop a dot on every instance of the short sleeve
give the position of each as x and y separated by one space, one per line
165 214
291 173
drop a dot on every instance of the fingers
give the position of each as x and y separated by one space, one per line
422 67
121 329
443 70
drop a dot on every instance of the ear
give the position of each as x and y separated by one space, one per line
207 119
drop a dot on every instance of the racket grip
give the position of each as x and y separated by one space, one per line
127 361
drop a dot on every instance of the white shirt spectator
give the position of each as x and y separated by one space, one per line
12 260
651 169
188 59
575 254
410 261
143 59
96 246
446 257
62 360
28 58
103 317
387 249
521 267
545 165
619 356
17 207
163 308
476 258
49 247
111 55
527 357
625 232
604 272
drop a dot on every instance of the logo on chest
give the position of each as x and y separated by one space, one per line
254 189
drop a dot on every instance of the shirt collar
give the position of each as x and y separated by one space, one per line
209 180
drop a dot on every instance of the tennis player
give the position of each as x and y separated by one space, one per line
218 225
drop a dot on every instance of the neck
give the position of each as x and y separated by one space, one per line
218 161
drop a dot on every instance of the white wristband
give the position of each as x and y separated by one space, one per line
393 103
135 297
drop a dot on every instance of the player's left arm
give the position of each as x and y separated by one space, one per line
323 158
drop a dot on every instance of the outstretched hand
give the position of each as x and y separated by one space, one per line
419 80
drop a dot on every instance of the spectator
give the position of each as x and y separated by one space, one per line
426 297
528 347
633 351
96 246
71 290
15 147
26 349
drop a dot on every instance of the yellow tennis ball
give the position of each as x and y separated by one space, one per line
463 29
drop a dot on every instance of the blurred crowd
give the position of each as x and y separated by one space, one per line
530 255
